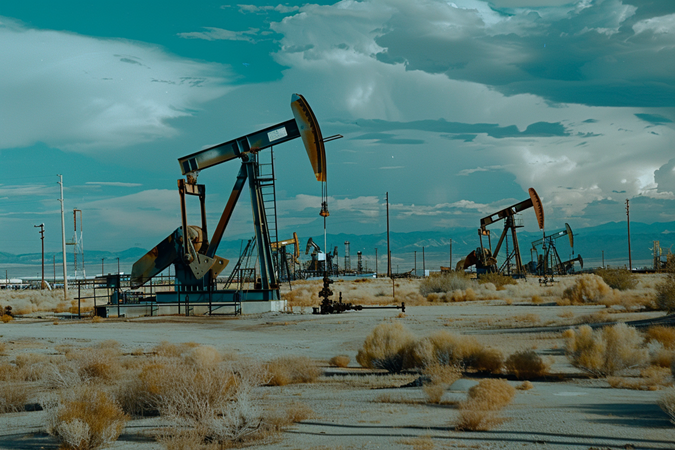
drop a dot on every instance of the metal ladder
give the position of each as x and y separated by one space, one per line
265 184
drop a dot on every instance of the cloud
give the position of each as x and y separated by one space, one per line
284 9
113 183
220 34
585 53
539 129
654 119
665 177
83 93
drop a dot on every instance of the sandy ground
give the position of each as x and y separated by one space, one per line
575 412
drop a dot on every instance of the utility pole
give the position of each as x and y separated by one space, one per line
54 262
102 271
118 265
630 260
42 238
415 262
375 262
603 259
63 242
388 248
450 254
424 265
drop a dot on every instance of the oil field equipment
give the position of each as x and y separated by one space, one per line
484 258
549 261
190 250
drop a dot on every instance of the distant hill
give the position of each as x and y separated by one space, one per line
590 242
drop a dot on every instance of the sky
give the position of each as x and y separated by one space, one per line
455 108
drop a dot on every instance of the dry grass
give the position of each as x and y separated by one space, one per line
440 283
526 365
621 279
587 289
525 386
651 378
419 443
90 419
489 360
497 279
439 377
607 351
665 294
30 301
445 349
664 335
480 411
6 318
292 370
537 299
339 361
13 397
279 418
386 347
667 403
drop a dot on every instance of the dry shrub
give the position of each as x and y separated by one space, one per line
447 282
497 279
302 296
419 443
291 370
6 318
596 317
607 351
13 398
89 419
204 356
658 356
664 335
98 363
339 361
9 372
467 295
439 377
667 403
525 386
3 348
215 402
651 378
97 319
526 365
386 347
445 349
536 299
480 411
31 366
566 314
621 279
587 289
665 294
282 417
489 360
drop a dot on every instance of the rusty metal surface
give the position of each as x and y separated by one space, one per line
311 135
538 208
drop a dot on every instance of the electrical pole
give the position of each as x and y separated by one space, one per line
424 266
118 265
63 241
388 248
603 259
415 262
630 260
450 254
102 271
42 239
375 262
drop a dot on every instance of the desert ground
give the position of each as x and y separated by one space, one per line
321 402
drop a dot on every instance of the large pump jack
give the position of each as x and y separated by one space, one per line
549 262
194 258
483 258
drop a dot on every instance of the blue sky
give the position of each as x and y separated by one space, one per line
454 108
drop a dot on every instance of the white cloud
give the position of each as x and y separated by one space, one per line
113 183
220 34
82 93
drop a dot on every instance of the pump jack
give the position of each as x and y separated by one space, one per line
483 258
549 261
194 257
